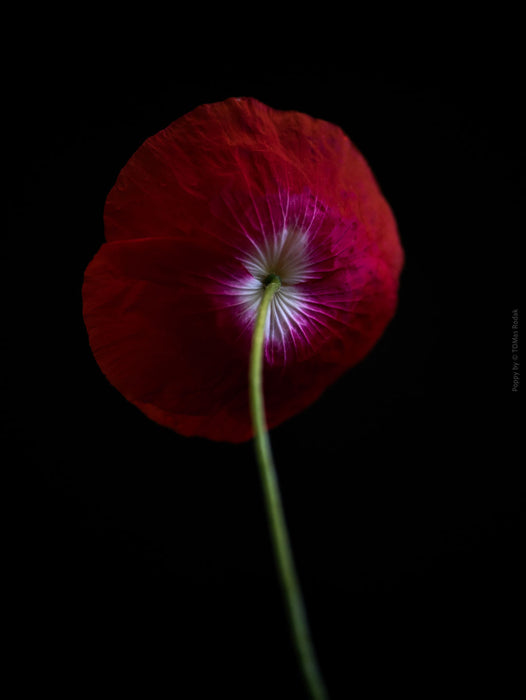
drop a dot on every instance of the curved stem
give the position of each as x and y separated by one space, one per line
278 528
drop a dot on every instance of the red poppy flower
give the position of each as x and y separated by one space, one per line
199 217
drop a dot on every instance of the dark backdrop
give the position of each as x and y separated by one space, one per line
143 558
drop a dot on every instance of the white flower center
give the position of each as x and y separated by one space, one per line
286 255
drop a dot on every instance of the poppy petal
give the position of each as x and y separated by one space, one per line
197 219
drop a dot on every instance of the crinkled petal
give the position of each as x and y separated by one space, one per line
198 217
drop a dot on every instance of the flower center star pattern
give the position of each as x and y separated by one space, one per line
293 249
286 255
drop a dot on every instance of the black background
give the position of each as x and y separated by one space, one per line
142 559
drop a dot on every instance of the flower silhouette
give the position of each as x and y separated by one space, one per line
202 215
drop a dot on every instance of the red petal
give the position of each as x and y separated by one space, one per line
154 334
160 299
173 177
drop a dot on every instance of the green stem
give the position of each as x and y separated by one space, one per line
278 528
